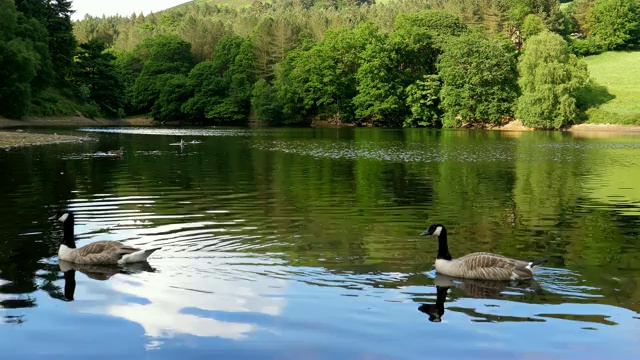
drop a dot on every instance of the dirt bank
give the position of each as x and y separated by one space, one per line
10 139
517 125
604 128
75 121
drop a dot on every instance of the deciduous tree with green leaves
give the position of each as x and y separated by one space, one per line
550 77
615 23
479 81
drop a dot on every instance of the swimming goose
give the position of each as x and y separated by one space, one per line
99 252
478 265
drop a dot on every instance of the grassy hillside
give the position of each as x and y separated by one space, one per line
615 98
230 3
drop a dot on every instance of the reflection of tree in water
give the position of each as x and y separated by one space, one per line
40 183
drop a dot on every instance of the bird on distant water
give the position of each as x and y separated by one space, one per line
479 265
99 252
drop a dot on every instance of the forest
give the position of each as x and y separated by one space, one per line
401 63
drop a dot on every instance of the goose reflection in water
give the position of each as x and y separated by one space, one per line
96 272
485 289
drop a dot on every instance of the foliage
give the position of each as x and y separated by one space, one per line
24 65
222 87
352 61
532 25
584 47
423 100
391 63
614 23
264 103
62 43
326 73
96 73
549 79
479 81
165 55
579 12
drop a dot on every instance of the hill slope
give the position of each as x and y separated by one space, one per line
230 3
617 75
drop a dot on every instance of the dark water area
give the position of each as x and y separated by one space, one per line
303 244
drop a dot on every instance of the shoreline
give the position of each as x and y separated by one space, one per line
16 139
75 121
71 121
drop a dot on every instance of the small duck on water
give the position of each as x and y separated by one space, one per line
99 252
478 265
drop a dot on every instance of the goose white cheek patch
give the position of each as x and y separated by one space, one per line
438 231
64 217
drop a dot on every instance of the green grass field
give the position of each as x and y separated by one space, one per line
616 97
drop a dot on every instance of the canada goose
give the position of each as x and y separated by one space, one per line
99 252
478 265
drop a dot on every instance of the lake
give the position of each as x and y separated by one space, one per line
303 244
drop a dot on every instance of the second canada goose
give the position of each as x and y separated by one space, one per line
99 252
478 265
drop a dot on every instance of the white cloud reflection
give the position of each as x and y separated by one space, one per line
157 300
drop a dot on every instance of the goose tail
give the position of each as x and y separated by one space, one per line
138 256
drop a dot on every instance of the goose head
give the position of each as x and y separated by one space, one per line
434 230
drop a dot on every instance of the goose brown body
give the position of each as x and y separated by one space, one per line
99 252
485 266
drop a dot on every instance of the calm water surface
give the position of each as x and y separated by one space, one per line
303 244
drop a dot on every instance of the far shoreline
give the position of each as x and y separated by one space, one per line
73 121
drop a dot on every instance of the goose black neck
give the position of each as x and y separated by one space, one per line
443 246
68 233
69 284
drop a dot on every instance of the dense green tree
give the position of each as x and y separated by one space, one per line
423 98
579 10
326 73
532 25
97 74
203 34
391 63
548 10
222 87
62 43
172 96
440 25
549 78
614 23
479 81
164 54
23 60
288 93
264 103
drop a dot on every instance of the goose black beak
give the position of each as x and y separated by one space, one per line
426 232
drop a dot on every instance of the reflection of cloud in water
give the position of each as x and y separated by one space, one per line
157 301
